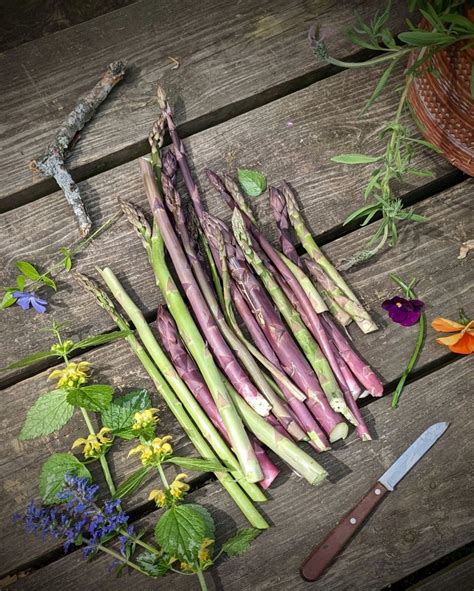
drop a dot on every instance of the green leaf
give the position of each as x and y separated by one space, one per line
27 269
101 339
425 38
20 282
48 281
198 464
358 213
51 479
48 414
30 360
380 86
253 182
96 397
355 159
208 519
180 532
7 300
132 483
119 416
67 260
240 542
153 565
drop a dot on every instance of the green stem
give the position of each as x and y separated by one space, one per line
373 62
118 556
102 459
202 580
162 476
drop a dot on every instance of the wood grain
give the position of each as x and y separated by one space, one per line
459 576
428 256
427 516
260 139
227 56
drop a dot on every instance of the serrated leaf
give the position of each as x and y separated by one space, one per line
48 281
153 565
240 542
198 464
30 359
132 483
28 269
253 182
208 519
101 339
20 282
355 159
52 474
96 397
181 531
7 300
48 414
119 416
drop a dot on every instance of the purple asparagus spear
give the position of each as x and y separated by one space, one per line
188 371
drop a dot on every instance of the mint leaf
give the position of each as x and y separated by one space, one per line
131 484
101 339
180 532
48 414
207 518
52 474
97 397
119 416
30 359
253 182
198 464
28 269
355 159
240 542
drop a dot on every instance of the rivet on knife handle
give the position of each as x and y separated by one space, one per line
327 551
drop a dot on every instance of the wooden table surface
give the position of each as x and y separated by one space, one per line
248 93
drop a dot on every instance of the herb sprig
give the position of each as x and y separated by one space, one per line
448 26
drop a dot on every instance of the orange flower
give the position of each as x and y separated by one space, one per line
461 342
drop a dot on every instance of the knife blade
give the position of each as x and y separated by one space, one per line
327 551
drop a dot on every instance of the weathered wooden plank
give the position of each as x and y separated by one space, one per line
427 516
459 576
328 193
226 56
444 286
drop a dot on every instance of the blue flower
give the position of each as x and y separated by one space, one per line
125 540
25 299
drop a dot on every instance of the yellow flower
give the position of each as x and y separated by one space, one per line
179 488
95 445
186 567
72 376
153 452
203 555
158 496
145 419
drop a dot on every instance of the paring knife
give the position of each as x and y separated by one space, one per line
327 551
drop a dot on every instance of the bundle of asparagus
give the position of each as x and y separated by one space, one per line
281 373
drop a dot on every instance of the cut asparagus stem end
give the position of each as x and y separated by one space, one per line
340 431
366 437
349 416
316 442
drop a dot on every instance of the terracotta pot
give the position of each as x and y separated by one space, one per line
443 103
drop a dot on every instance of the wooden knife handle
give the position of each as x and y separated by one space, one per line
327 551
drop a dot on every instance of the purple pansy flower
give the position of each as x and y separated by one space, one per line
25 299
402 311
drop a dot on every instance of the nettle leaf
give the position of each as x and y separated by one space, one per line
119 415
181 531
132 483
153 565
48 414
240 542
208 519
253 182
28 270
355 159
30 359
198 464
101 339
96 398
7 300
52 474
